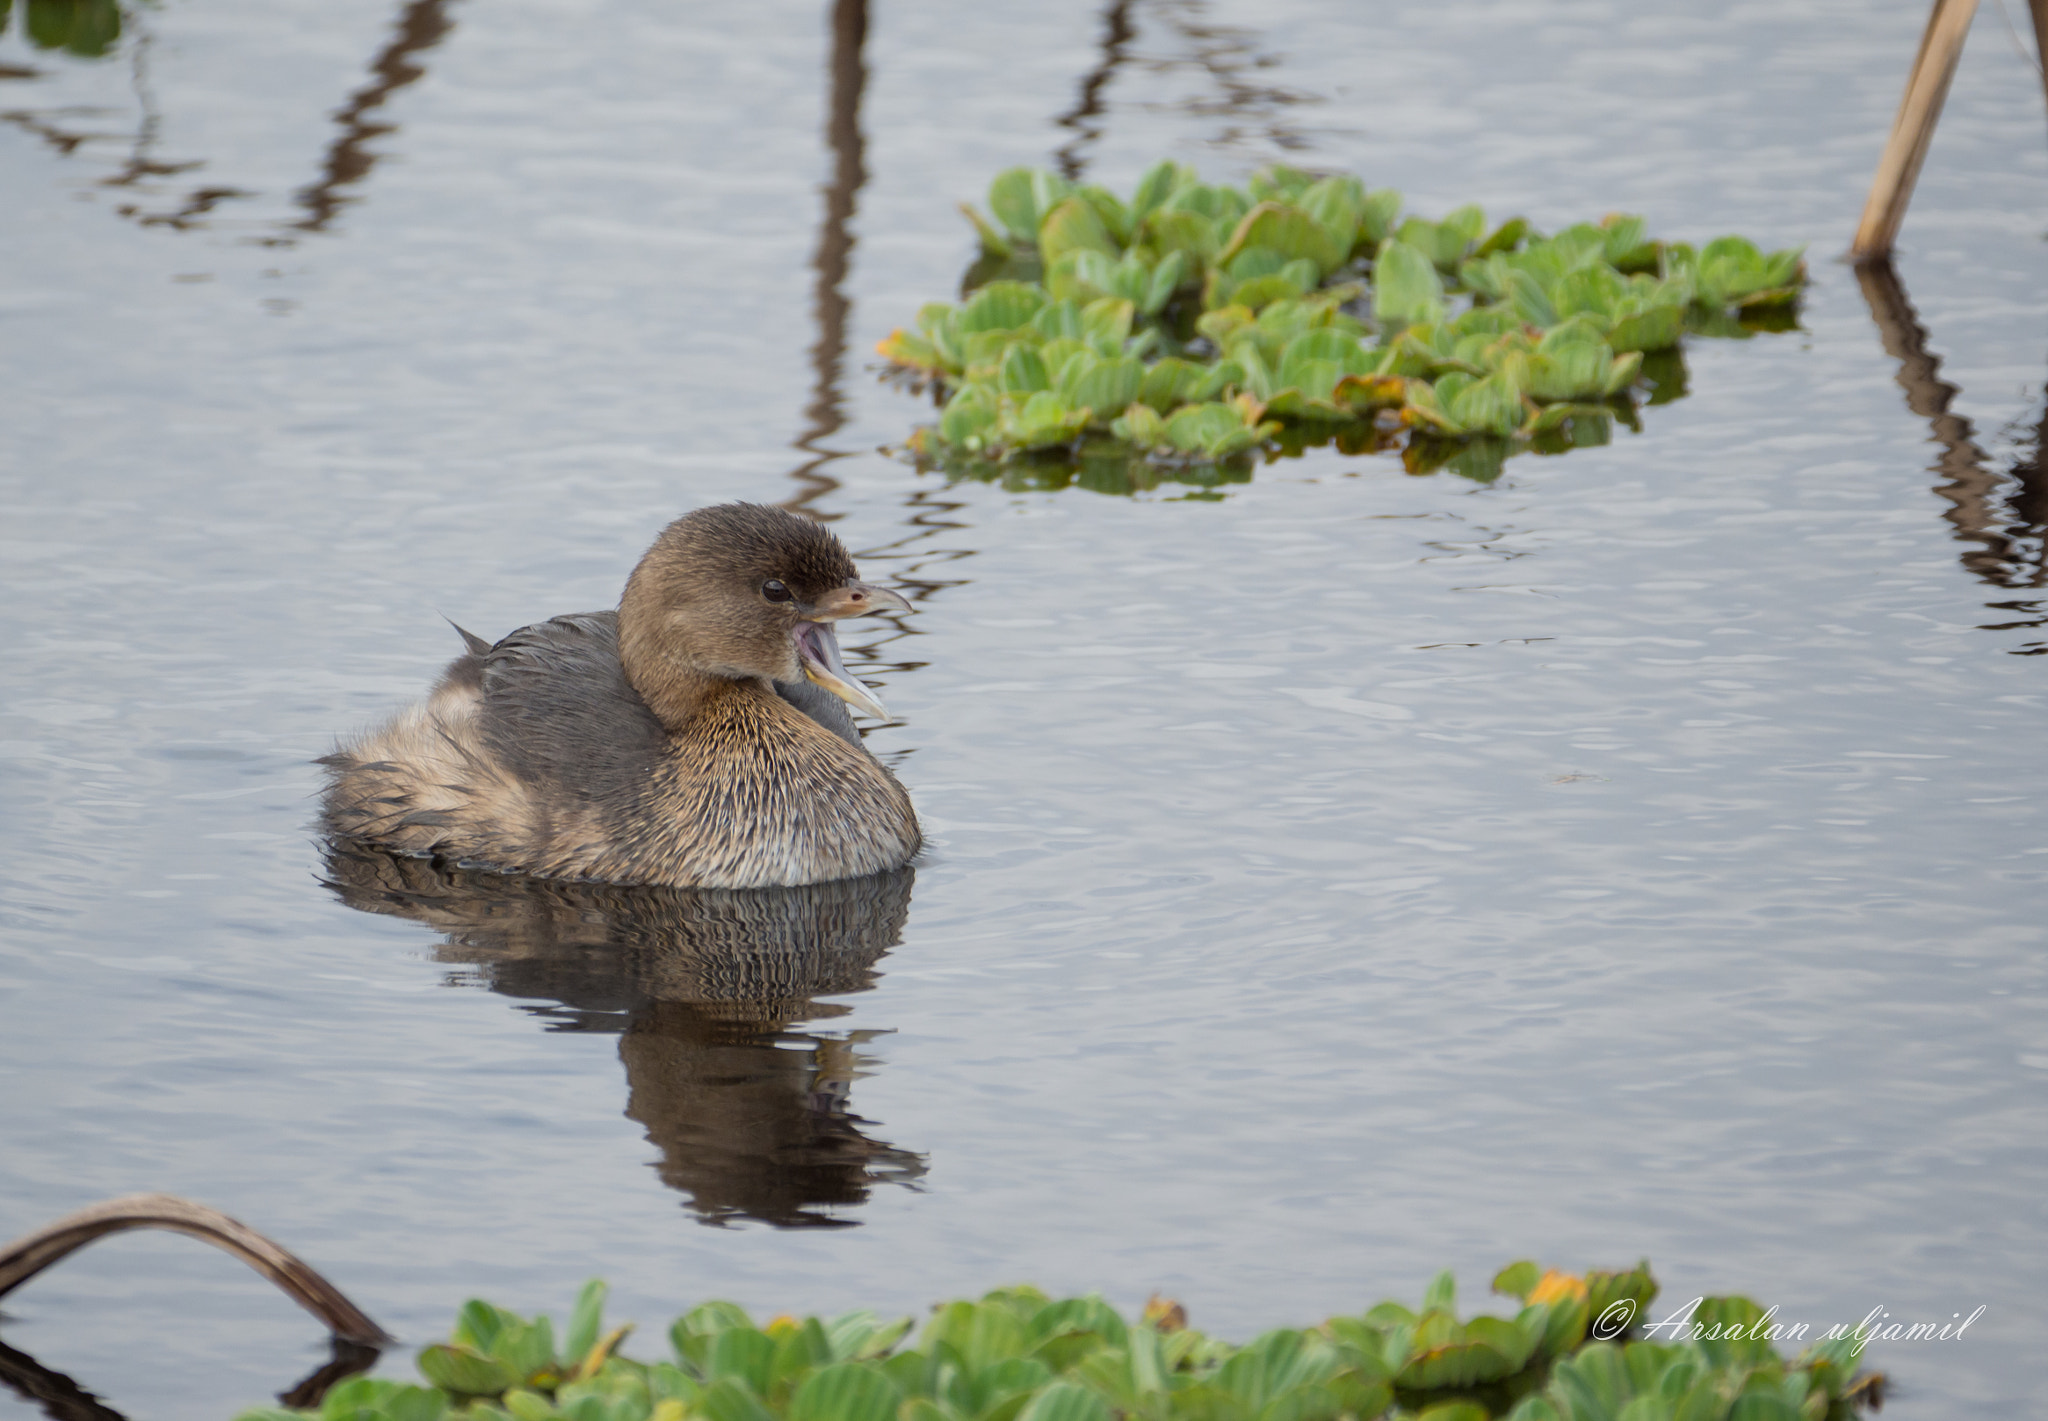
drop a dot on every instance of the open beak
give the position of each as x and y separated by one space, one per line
818 647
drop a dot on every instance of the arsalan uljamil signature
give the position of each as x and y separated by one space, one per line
1617 1317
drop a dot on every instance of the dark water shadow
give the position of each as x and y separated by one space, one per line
349 1359
826 412
63 1399
706 990
912 558
1999 515
1233 68
1229 62
346 164
1087 118
59 1397
421 25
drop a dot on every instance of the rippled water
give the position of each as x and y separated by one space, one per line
1356 876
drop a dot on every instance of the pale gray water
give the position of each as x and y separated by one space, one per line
1359 876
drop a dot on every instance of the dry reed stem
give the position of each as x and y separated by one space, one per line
30 1254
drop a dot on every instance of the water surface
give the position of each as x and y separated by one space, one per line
1357 876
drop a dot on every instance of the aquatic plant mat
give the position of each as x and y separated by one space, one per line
88 29
1193 328
1573 1352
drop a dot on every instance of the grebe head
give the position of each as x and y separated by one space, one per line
739 592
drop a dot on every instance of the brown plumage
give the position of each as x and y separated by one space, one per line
687 739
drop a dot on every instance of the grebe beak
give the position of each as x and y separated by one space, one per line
818 646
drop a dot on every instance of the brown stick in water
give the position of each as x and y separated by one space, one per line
1940 47
30 1254
2040 10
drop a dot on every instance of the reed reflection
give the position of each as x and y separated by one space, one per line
55 1394
915 554
421 25
830 305
1227 65
1085 120
92 30
2000 515
62 1399
706 990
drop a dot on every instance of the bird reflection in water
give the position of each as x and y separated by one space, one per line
704 988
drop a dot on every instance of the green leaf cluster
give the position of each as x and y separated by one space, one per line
1018 1355
87 28
1652 1381
1193 325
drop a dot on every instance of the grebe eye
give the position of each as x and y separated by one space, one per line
774 591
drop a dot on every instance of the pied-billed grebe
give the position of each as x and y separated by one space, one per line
687 739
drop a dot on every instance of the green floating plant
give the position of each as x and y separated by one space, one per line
1017 1355
1184 331
87 28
